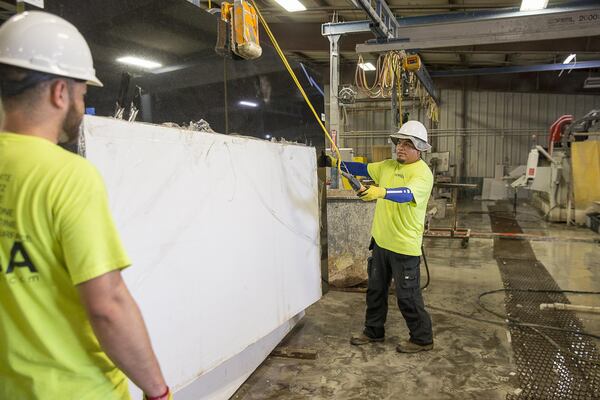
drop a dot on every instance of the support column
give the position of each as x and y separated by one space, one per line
334 108
462 171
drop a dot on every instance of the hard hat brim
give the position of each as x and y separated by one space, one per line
89 79
418 143
95 82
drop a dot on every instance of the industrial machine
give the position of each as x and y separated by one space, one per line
548 173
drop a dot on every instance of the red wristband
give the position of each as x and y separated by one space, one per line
161 397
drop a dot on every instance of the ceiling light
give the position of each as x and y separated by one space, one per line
367 66
139 62
569 58
291 5
533 5
245 103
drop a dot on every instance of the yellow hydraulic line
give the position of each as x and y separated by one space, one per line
298 84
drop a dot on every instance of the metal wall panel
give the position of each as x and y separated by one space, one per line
480 129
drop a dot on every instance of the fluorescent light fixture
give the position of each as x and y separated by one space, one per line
592 83
569 59
245 103
291 5
367 66
139 62
533 5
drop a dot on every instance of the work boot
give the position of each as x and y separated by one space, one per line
406 346
364 339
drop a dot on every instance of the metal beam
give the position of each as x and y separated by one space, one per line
7 6
515 69
384 25
395 7
342 28
383 21
425 79
487 27
493 15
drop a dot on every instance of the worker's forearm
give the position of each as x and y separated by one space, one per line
399 195
352 167
356 168
123 336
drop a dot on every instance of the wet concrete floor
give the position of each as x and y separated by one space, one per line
471 359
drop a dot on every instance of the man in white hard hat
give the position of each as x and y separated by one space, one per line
404 187
69 328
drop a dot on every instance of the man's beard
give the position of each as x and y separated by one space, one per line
71 125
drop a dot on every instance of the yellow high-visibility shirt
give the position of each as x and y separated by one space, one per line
398 227
56 231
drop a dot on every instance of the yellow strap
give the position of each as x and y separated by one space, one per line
300 88
390 65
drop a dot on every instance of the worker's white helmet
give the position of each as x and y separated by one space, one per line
415 132
43 42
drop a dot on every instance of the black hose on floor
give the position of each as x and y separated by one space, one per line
426 267
516 322
511 321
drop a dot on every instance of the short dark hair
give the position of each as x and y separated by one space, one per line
18 84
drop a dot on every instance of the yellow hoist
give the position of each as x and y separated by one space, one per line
224 46
237 32
412 63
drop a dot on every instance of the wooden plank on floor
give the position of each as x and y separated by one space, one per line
287 352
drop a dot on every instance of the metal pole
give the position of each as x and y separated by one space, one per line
334 109
569 307
20 6
394 106
455 210
225 100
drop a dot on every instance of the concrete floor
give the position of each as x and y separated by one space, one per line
471 359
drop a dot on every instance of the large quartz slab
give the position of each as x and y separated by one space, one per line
223 232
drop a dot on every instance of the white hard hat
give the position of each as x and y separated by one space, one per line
415 132
43 42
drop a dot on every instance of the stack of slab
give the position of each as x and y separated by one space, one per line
223 232
349 221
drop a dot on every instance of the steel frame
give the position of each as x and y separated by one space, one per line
517 69
488 27
384 25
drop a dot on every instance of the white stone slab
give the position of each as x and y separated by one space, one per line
223 232
223 381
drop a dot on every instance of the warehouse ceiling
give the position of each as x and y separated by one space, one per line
303 36
169 30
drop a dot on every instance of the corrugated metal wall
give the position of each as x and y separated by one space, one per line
496 128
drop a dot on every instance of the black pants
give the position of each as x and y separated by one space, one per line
382 266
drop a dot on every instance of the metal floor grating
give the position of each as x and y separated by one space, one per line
544 371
